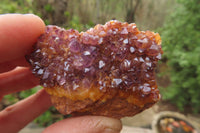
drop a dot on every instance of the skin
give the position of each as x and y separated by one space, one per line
18 33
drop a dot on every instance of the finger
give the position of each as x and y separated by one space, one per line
10 65
17 35
17 80
86 124
15 117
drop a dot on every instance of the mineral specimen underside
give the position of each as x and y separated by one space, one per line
107 70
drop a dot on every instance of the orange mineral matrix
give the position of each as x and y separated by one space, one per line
107 70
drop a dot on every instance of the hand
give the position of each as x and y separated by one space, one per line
17 35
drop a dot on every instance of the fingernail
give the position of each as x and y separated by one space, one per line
111 125
29 14
110 131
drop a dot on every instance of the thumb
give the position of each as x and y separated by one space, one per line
86 124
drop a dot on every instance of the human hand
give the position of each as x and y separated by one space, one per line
17 35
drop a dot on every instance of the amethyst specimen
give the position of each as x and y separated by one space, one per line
107 70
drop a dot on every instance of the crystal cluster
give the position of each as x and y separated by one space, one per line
107 70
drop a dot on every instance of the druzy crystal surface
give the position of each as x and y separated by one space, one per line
107 70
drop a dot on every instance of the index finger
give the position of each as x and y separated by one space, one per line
17 35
